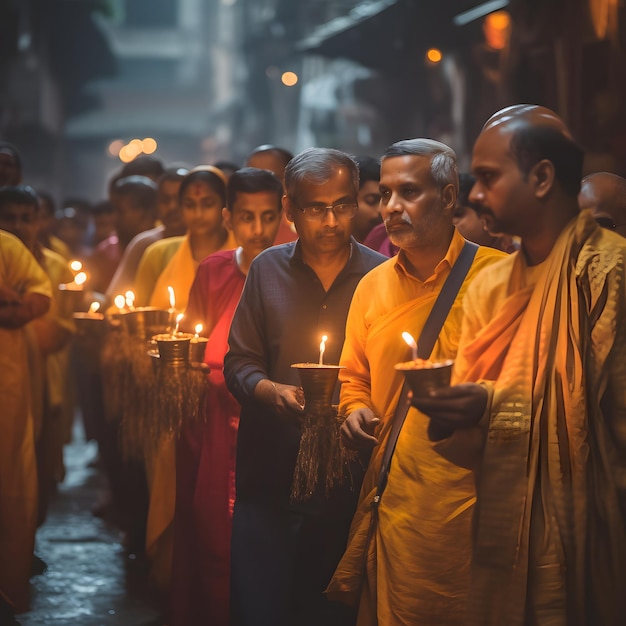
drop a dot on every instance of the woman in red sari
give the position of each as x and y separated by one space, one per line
205 454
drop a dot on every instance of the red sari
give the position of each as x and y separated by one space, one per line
205 460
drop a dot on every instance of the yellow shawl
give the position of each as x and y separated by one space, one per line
179 273
557 353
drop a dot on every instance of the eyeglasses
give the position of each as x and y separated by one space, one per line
316 212
606 222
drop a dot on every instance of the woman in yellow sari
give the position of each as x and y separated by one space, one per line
174 261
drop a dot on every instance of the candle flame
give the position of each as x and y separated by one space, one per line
93 307
130 299
178 318
170 290
198 329
76 266
408 337
80 278
323 348
119 301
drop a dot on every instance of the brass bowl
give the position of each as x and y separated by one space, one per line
318 383
71 298
197 347
424 376
89 324
173 349
143 322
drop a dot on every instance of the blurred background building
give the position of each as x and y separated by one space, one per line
84 82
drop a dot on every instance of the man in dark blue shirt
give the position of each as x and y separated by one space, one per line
284 553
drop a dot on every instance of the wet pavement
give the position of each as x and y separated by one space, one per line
90 580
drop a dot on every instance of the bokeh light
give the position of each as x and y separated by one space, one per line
434 55
271 71
497 29
289 79
126 155
149 145
115 147
131 150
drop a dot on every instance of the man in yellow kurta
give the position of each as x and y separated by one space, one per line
544 332
418 558
24 295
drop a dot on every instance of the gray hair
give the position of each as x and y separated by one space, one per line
443 158
318 166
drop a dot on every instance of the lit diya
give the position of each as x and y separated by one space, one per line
71 294
144 321
424 376
321 456
197 346
90 321
179 387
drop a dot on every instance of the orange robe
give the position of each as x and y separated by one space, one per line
550 342
418 561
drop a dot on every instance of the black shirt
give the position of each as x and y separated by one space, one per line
281 317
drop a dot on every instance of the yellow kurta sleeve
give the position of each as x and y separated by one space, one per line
19 268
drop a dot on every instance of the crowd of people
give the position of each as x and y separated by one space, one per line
499 499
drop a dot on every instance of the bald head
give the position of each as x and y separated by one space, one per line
520 115
535 133
605 194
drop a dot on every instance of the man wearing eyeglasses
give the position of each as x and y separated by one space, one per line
605 194
418 551
284 552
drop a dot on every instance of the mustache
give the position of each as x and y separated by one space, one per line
482 210
403 218
333 230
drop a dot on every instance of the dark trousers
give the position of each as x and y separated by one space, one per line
281 563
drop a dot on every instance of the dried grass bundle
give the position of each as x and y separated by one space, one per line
322 458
